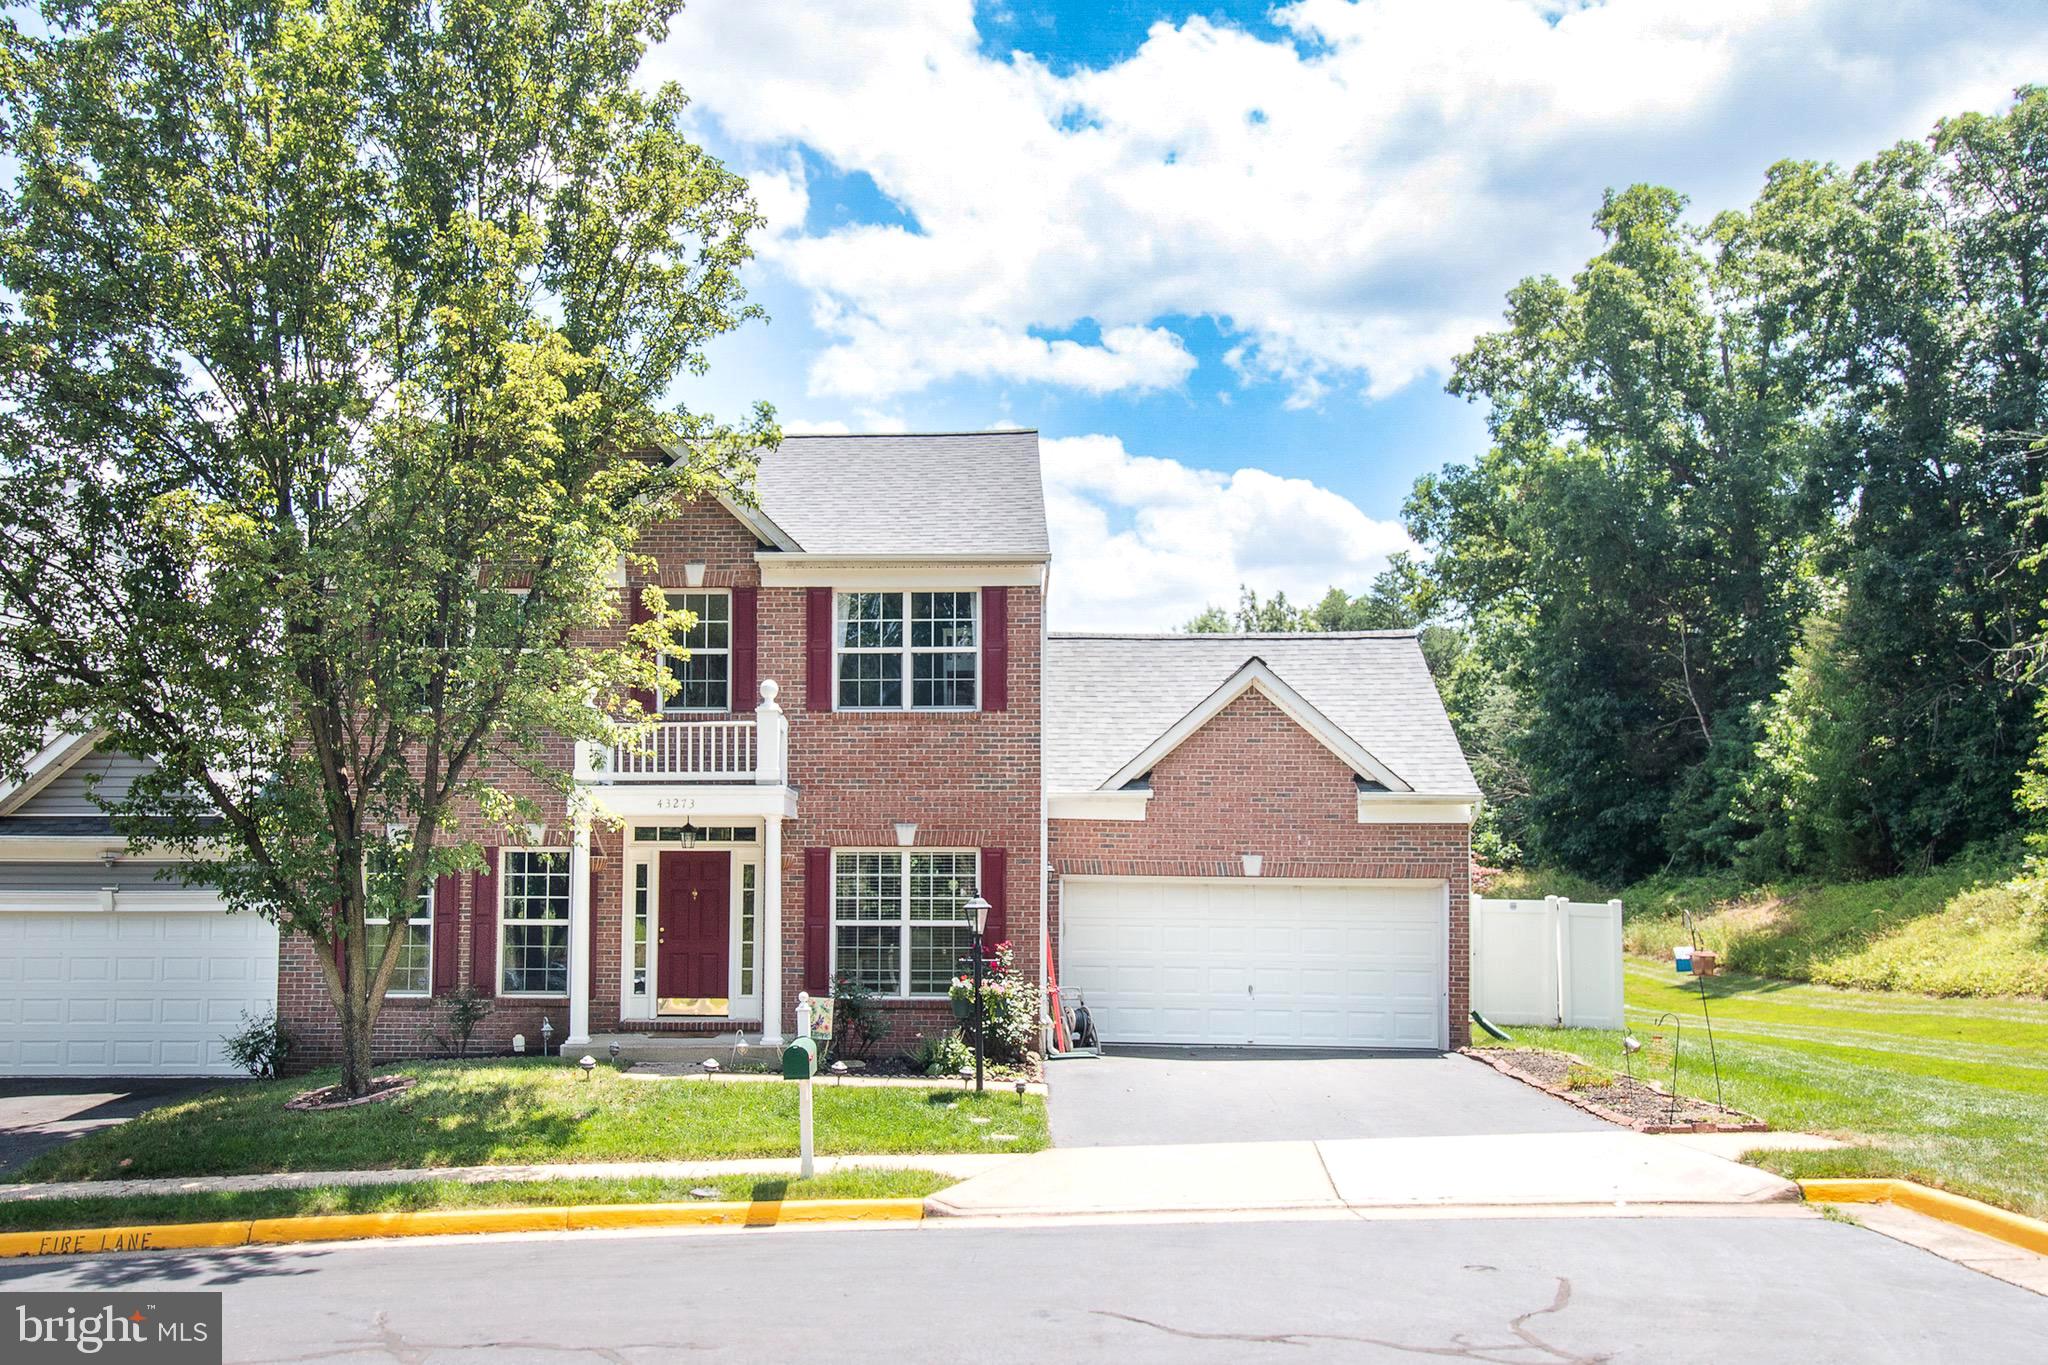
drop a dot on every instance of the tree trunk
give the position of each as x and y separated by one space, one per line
356 1061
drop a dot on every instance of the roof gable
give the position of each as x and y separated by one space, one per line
1256 675
1108 697
64 776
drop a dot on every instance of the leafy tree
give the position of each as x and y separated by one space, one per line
1273 615
335 334
1914 287
1623 545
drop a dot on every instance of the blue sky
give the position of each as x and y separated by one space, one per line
1221 254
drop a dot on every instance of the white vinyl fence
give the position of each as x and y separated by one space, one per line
1547 962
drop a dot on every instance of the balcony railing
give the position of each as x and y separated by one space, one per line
696 750
689 748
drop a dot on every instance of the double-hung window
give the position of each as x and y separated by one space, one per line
900 926
703 680
414 974
533 923
908 650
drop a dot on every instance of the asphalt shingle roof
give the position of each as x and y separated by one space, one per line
1108 696
953 493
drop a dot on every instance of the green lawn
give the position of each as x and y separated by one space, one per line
38 1215
496 1112
1972 926
1950 1092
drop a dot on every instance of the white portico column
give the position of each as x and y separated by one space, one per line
771 932
579 937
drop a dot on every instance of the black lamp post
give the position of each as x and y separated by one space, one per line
978 908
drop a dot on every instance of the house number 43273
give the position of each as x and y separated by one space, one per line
675 803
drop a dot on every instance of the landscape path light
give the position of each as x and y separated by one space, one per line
978 907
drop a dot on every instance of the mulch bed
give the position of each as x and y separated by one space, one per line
331 1097
1621 1099
1030 1070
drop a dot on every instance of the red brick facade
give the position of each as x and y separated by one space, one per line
969 780
1252 781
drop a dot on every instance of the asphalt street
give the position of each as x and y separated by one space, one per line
1781 1286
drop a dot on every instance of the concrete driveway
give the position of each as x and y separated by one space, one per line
1155 1096
36 1115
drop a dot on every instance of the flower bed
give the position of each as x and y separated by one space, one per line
1616 1098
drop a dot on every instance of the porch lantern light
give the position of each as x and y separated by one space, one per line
547 1034
689 835
906 833
977 907
693 574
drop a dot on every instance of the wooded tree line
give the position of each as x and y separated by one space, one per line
1749 574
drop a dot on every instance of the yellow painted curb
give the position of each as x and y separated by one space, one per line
1964 1212
341 1227
103 1241
852 1211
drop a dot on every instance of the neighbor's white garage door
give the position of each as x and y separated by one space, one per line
130 992
1272 963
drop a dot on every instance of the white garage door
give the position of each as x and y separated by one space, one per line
1271 963
129 992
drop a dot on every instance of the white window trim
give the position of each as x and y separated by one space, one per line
504 888
661 698
641 864
427 919
905 652
903 923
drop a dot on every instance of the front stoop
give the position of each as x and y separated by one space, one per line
682 1049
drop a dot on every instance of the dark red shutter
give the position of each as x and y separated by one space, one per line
818 921
447 933
746 606
995 649
995 889
483 926
591 909
639 615
818 649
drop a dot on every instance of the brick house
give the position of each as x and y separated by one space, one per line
1220 839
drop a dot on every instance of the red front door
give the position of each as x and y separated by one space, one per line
693 950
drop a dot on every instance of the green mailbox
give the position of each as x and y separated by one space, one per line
800 1060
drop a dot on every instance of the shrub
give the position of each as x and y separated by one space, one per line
262 1045
857 1021
467 1008
1011 1005
943 1055
1579 1076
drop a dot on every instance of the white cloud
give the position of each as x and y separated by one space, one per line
1348 200
869 422
1143 543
